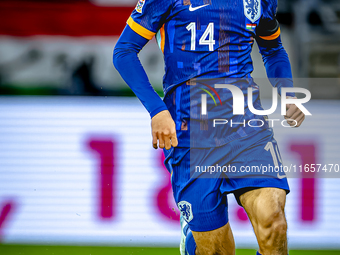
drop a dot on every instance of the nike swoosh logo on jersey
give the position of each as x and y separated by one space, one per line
192 9
281 176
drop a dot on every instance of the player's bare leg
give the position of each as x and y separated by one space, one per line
265 209
216 242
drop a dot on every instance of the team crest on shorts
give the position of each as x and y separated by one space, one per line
139 7
186 210
252 9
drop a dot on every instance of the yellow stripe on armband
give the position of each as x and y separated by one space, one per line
273 36
142 31
162 38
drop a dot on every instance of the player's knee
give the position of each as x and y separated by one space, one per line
272 228
278 227
218 242
275 237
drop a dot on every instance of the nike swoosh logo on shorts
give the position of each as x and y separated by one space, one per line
281 176
192 9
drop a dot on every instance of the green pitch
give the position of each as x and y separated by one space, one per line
94 250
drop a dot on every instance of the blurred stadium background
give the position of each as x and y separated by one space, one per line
78 174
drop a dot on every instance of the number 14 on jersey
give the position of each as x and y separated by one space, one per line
206 39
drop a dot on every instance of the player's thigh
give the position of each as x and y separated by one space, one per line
265 207
218 241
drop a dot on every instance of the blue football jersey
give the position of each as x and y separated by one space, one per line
203 38
210 40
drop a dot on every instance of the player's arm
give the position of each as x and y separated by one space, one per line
277 63
126 61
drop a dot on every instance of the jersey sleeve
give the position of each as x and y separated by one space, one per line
268 28
274 56
126 61
149 16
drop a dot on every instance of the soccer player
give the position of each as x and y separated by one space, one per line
208 42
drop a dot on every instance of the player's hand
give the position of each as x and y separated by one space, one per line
163 130
294 113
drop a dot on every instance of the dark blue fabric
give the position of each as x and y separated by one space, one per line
206 193
126 61
185 57
185 102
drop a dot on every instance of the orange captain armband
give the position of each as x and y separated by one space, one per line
273 36
142 31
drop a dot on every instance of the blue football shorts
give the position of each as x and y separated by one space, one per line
241 165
